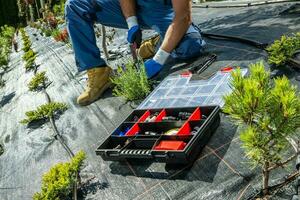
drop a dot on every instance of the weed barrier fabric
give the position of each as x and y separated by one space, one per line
221 170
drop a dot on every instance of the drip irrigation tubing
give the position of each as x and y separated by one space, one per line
57 136
254 43
242 4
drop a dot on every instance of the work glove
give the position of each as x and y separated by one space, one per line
155 65
134 34
152 68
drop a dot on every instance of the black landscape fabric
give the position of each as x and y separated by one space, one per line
221 170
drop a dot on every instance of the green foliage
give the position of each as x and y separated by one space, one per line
1 149
26 45
60 35
44 112
7 31
59 8
38 81
2 82
21 8
57 184
131 83
30 64
6 36
269 111
29 55
281 50
26 41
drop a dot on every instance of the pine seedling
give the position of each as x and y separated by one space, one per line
27 45
2 82
1 149
26 41
131 83
283 49
44 112
269 111
6 37
59 182
38 82
30 64
29 55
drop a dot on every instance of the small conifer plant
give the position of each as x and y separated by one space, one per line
59 182
2 82
29 54
283 49
6 38
38 82
131 82
269 112
44 112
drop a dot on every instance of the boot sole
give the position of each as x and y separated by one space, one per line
103 89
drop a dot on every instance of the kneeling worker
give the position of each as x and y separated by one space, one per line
171 19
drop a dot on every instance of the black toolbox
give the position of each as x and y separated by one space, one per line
170 135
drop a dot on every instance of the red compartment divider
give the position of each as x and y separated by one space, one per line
162 114
144 116
185 129
196 115
134 130
170 145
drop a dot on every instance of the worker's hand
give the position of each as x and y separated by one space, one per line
135 35
152 68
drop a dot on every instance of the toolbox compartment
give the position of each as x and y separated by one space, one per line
170 135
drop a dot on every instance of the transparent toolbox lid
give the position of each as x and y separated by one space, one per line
182 91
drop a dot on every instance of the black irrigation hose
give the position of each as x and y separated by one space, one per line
254 43
57 134
249 4
59 137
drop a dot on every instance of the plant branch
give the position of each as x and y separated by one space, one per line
281 164
287 180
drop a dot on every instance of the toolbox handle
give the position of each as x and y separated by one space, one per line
166 155
111 154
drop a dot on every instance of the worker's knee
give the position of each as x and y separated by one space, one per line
79 8
190 46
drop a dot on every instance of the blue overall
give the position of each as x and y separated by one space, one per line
152 14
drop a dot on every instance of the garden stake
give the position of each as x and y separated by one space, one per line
133 48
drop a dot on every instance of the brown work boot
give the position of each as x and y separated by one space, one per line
148 47
98 82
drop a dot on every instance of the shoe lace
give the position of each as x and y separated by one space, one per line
91 78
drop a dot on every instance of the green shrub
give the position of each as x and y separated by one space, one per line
38 82
27 45
29 55
7 32
131 83
58 183
269 111
44 112
1 149
282 50
26 41
4 57
47 32
59 8
6 37
2 82
30 64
